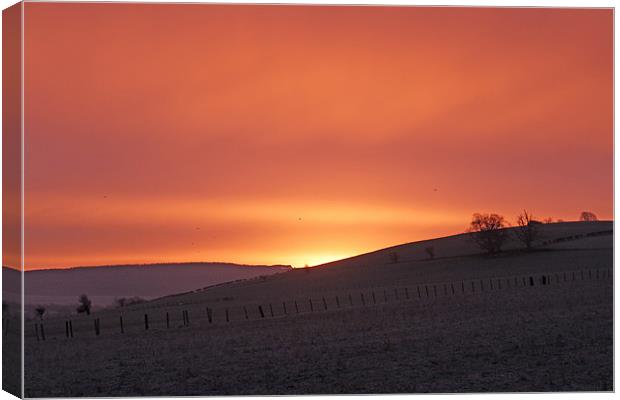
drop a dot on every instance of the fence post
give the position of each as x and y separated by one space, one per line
40 326
245 310
167 319
122 327
481 286
36 330
260 310
337 302
445 289
473 287
531 281
296 308
462 287
452 287
324 303
499 284
362 297
374 300
146 322
96 326
284 307
407 293
271 310
227 318
435 290
491 283
419 294
311 306
210 315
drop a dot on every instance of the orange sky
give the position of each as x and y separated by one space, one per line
298 135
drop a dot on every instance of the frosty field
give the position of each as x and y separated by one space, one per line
481 327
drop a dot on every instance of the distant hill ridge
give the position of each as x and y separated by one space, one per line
103 284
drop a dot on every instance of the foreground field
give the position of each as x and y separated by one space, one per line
550 337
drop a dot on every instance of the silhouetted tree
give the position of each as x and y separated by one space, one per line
588 216
85 304
487 231
548 220
527 229
394 257
430 250
40 310
120 302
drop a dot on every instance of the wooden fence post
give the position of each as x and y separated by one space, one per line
210 315
40 326
452 287
499 284
462 287
167 320
419 294
324 303
284 307
374 300
491 283
96 326
296 308
473 288
36 331
271 310
227 317
337 302
481 286
260 310
435 290
146 322
407 293
531 281
311 306
445 289
122 327
245 310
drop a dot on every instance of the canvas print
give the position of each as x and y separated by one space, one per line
234 199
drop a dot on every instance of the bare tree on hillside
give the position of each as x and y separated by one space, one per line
40 310
588 216
487 231
527 229
430 250
85 304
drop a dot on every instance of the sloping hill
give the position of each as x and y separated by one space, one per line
457 258
104 284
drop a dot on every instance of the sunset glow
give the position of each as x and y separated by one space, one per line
300 135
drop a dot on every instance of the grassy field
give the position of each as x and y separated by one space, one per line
456 324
